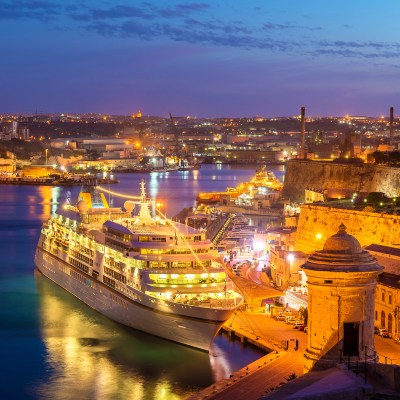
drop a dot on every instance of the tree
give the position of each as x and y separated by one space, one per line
376 198
380 158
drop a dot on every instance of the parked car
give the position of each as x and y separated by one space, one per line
383 333
376 330
290 320
305 330
298 324
281 317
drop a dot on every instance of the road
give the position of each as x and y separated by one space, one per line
258 383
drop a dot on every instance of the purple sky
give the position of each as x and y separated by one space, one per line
201 58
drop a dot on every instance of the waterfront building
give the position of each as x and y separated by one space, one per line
342 279
285 267
7 165
316 223
284 237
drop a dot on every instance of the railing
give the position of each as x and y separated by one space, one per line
204 303
377 356
357 365
186 281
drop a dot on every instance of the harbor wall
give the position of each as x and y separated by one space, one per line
302 174
367 227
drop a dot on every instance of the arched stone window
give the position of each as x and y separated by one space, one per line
390 322
383 319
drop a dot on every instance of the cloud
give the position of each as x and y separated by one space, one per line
28 9
191 31
103 29
357 49
192 22
271 26
180 10
120 11
137 29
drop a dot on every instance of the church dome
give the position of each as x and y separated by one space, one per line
342 242
342 253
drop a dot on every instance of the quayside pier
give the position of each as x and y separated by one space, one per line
254 380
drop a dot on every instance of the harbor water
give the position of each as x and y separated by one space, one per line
56 347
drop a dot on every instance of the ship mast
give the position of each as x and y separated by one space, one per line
144 213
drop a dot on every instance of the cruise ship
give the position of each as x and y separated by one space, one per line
137 268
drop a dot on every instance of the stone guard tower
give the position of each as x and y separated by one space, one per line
341 290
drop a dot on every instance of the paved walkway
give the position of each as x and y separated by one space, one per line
269 371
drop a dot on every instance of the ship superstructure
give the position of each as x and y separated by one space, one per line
146 272
263 179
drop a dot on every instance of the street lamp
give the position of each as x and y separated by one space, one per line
318 237
290 258
46 151
258 247
396 313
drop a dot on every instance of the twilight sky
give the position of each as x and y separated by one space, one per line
201 58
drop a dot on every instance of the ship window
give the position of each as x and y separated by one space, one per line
158 264
159 239
109 282
176 264
115 274
143 239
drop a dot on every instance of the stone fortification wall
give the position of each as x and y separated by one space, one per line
302 174
367 227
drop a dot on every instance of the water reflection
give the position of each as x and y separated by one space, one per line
49 200
89 355
77 353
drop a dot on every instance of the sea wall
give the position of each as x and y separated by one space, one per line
318 222
302 174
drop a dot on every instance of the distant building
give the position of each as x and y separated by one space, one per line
23 133
285 267
387 303
7 165
9 130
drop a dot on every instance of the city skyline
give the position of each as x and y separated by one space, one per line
201 58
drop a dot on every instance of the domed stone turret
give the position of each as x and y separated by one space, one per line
342 242
341 281
342 252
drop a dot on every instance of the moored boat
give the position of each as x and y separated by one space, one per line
141 270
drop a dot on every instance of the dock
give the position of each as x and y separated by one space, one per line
281 363
51 181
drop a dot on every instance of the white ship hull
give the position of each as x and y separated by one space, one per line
189 325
